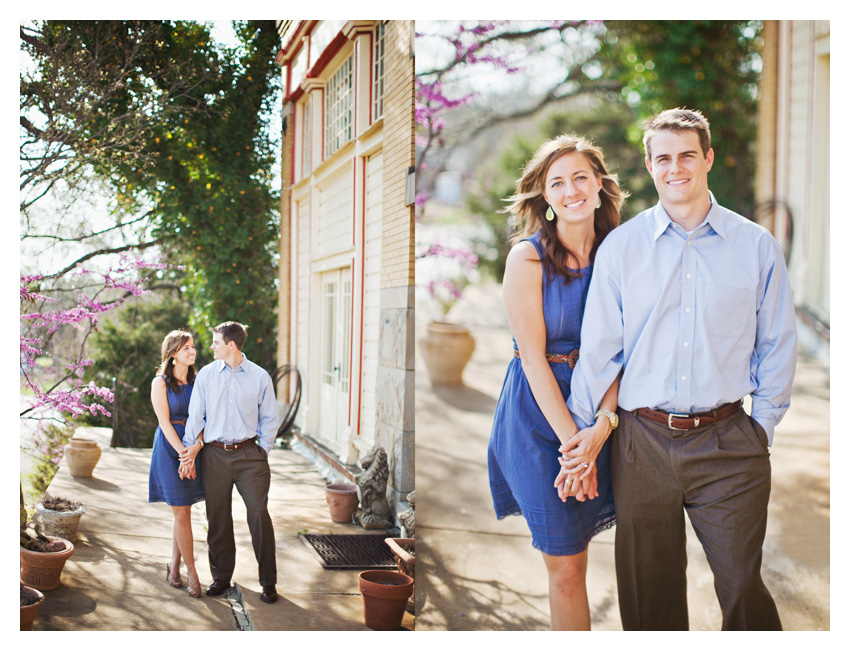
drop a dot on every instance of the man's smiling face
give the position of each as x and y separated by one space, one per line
679 168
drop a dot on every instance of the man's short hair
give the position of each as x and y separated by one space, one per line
232 331
678 119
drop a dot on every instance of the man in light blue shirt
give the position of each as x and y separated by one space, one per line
692 303
233 411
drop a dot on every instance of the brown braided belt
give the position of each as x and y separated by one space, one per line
570 359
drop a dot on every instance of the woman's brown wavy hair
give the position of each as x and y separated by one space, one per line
173 342
529 207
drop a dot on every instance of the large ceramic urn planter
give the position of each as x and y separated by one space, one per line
385 596
31 600
342 501
446 350
60 524
42 570
82 456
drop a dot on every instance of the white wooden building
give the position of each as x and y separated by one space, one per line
346 286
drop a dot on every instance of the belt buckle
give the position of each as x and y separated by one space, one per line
670 417
229 446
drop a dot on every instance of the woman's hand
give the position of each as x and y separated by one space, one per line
582 486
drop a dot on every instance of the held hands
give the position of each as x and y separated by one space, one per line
187 468
581 485
580 452
577 477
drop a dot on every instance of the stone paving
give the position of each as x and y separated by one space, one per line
116 578
479 573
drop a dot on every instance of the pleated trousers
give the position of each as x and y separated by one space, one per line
248 469
719 476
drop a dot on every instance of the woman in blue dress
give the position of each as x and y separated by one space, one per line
541 466
170 393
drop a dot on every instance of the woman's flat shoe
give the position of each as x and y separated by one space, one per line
174 583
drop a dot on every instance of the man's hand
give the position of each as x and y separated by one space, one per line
580 452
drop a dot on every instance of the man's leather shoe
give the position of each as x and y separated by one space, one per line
217 587
269 594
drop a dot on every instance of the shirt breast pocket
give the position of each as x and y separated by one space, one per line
729 309
248 407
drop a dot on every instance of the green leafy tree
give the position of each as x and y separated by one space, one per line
709 65
175 130
215 204
127 351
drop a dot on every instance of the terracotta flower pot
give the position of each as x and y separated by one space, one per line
61 524
42 570
30 611
82 456
385 596
446 350
342 500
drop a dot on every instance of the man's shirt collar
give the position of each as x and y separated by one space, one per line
714 218
223 365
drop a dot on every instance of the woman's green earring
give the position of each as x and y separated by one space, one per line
550 214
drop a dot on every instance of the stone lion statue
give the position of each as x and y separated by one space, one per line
372 490
408 518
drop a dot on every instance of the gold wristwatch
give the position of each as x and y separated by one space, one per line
610 415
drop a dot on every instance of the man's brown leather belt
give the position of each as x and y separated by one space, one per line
690 421
232 446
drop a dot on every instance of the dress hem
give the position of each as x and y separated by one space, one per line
152 500
570 551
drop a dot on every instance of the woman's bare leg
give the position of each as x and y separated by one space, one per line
184 544
568 604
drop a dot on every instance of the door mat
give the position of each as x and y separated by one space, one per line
350 552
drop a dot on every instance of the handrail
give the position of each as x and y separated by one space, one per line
289 419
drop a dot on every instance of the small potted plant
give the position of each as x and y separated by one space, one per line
60 517
31 600
42 557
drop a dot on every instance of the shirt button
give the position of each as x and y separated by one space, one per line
689 275
686 343
687 309
684 378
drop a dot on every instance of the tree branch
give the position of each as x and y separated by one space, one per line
93 254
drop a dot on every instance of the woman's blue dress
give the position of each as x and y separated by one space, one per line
523 451
164 484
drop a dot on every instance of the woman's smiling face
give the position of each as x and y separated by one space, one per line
571 188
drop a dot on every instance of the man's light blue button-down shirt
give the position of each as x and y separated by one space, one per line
232 405
695 319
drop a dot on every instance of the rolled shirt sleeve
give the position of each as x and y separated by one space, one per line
601 333
197 419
